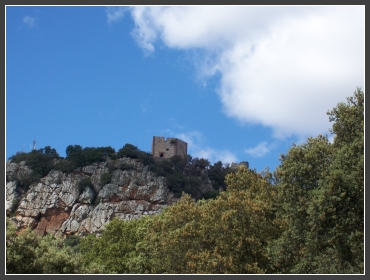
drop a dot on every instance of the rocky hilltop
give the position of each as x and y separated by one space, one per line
57 205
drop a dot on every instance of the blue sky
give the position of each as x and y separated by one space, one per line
238 83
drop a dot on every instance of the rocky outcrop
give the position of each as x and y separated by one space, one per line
15 174
57 206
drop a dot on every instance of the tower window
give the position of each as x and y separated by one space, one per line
161 155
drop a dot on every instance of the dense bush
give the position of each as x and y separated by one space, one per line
126 166
73 242
217 173
210 194
105 179
83 183
120 249
88 155
131 151
185 175
177 182
39 161
65 166
28 253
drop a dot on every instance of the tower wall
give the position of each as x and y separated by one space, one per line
167 148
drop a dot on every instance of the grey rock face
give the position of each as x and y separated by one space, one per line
12 196
55 205
87 196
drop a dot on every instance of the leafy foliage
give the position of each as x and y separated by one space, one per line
105 179
120 248
182 175
88 155
226 235
73 241
321 198
217 173
126 166
83 183
39 161
65 166
27 253
131 151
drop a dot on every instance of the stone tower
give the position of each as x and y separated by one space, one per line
166 148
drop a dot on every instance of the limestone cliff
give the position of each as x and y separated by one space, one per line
55 204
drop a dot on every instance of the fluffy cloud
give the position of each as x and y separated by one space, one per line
197 148
281 67
260 150
115 13
29 21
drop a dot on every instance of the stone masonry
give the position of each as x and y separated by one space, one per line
167 148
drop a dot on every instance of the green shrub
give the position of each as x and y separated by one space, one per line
128 150
105 179
39 161
72 241
120 248
84 182
111 165
126 166
27 179
66 166
88 155
131 151
210 194
28 253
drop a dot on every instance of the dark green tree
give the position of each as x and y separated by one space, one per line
74 154
128 150
321 198
120 249
28 253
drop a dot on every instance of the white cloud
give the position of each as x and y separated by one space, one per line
29 21
197 148
115 13
281 67
260 150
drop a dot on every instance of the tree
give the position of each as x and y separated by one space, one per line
28 253
73 149
298 175
320 198
217 173
39 161
120 248
50 152
74 154
226 235
128 150
341 200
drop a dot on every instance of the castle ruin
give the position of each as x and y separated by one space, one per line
167 148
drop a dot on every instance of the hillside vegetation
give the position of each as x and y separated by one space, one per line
305 217
183 174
